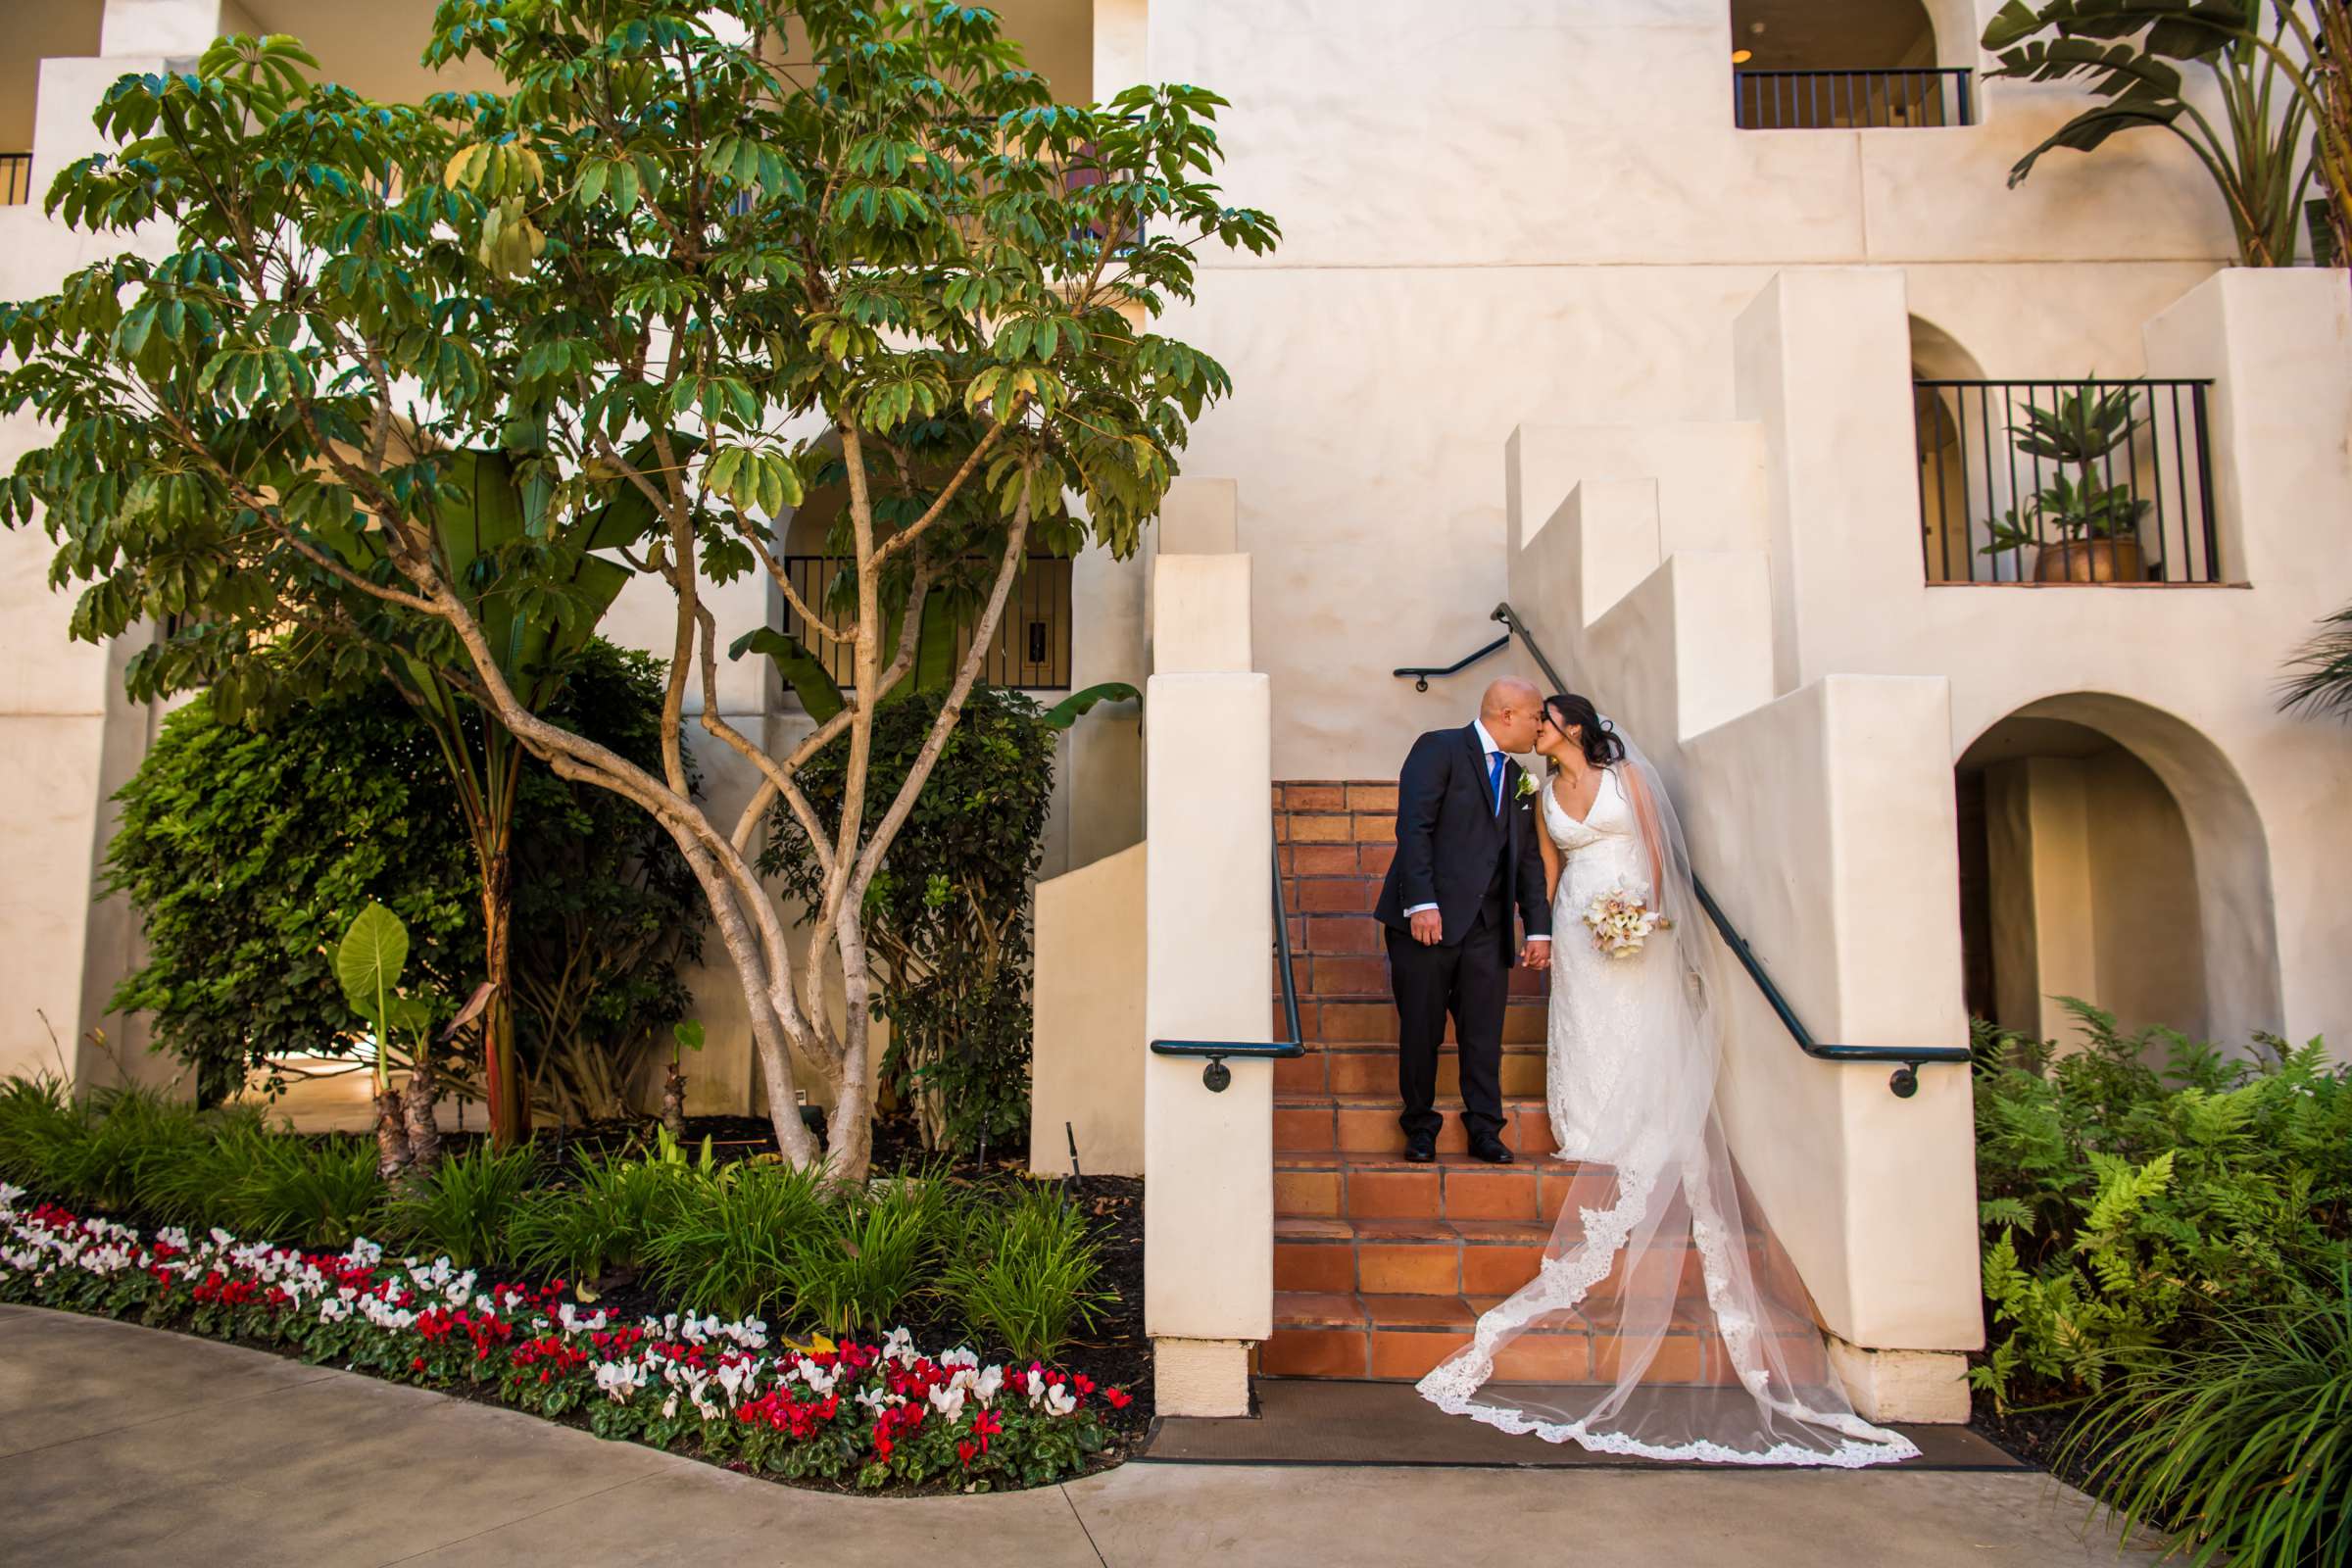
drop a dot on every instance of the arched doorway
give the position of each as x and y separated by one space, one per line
2110 852
1819 65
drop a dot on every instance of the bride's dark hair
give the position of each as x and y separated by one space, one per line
1601 741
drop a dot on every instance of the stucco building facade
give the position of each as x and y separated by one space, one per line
1695 331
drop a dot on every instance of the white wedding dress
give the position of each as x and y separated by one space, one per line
1656 1325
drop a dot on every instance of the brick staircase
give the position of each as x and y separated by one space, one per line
1380 1266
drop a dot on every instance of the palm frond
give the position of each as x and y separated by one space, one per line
2319 678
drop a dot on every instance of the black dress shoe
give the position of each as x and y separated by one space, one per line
1420 1149
1490 1149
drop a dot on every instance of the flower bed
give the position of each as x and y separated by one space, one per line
871 1416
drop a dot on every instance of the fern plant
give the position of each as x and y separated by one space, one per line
2122 1203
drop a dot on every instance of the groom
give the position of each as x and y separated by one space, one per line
1466 856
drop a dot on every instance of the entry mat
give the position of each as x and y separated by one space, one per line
1322 1421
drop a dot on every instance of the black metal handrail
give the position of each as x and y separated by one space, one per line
2133 501
16 178
1879 99
1905 1080
1216 1075
1421 673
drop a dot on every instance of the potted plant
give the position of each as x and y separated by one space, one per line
2095 525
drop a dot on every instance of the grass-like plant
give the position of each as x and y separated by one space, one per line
324 1193
604 1220
868 1253
462 1207
2242 1444
1025 1274
37 1115
101 1154
722 1248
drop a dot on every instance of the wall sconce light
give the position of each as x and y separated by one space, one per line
1741 57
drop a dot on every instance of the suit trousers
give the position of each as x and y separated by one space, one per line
1471 982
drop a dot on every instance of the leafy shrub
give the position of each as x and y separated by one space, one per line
462 1208
723 1246
324 1193
868 1253
949 915
248 850
2243 1444
1026 1274
2120 1204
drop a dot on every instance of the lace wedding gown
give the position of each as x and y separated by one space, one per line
1652 1327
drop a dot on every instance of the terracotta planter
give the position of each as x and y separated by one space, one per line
2091 560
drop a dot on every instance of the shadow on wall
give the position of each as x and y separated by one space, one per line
2110 852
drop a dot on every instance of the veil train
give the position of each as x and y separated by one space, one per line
1600 1347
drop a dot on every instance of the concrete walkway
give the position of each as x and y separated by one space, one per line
120 1445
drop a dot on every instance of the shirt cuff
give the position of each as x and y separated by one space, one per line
1539 936
1417 909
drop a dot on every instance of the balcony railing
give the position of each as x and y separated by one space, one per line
2065 481
1851 100
16 178
1032 647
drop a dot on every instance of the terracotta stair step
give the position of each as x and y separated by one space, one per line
1366 1070
1311 1122
1400 1337
1402 1256
1373 1022
1380 1184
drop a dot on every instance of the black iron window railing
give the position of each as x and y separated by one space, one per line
1851 100
2065 481
1032 646
16 178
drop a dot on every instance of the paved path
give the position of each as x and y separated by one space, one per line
120 1445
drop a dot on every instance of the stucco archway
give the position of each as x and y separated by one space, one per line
1944 480
2110 851
1844 63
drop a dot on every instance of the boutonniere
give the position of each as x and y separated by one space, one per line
1527 786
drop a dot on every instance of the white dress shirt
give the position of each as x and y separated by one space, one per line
1488 752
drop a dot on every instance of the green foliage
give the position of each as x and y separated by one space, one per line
905 253
462 1207
602 1222
2242 1441
2127 50
1026 1275
247 852
2077 438
868 1253
2319 678
2123 1206
948 915
723 1246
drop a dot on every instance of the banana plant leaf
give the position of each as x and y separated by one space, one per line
1073 707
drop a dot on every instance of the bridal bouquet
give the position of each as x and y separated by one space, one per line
1621 922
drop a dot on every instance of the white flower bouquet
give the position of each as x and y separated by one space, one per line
1622 922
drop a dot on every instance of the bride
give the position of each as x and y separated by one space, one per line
1600 1348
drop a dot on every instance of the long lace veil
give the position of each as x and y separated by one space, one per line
1664 1322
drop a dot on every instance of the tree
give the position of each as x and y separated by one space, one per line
672 274
2127 48
249 847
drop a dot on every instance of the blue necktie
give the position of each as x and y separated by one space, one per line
1495 779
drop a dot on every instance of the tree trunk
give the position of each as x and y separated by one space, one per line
391 1140
501 1079
673 1103
416 1110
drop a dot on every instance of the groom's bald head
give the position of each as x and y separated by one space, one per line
1510 710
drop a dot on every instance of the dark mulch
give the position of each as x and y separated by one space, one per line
2034 1435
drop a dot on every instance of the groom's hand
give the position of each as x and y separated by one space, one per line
1536 955
1429 927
